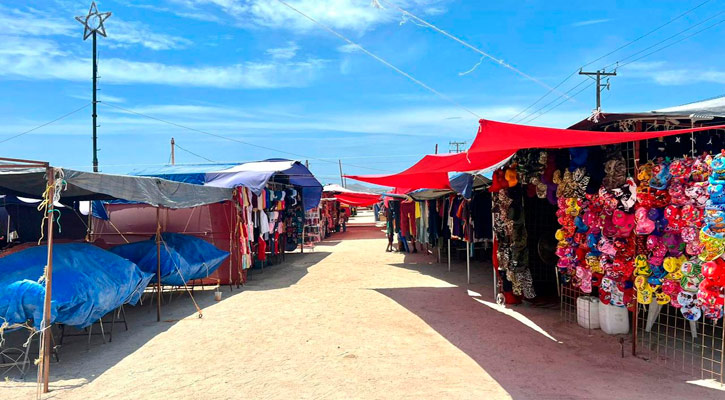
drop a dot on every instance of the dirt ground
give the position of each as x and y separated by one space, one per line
350 321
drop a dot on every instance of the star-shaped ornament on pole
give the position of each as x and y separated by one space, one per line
93 22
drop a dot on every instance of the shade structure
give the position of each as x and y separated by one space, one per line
80 185
496 141
254 175
431 172
358 199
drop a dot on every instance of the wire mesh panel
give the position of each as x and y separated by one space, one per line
569 296
694 347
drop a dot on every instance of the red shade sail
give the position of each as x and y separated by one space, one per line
358 199
493 136
431 172
496 141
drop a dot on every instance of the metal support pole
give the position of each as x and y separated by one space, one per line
449 255
158 264
95 103
173 156
468 261
45 345
342 179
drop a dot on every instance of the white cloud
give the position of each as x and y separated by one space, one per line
590 22
284 53
123 33
45 61
348 48
658 72
32 22
356 15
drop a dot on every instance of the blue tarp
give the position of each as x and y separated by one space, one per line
88 283
253 175
183 257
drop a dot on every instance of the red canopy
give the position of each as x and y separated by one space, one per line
358 199
493 135
431 172
495 142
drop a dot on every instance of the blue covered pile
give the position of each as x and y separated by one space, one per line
88 283
183 257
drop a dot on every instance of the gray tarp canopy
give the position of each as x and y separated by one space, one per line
31 182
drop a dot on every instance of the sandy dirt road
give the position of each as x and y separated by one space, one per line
350 321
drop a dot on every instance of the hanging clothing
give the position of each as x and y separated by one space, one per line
407 219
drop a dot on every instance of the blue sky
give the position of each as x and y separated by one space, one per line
254 71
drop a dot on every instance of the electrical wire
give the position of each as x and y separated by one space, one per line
562 102
193 154
631 42
540 111
668 38
216 135
646 34
654 51
672 44
381 60
45 124
470 46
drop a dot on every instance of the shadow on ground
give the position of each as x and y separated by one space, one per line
75 353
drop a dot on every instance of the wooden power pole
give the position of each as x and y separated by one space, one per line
599 74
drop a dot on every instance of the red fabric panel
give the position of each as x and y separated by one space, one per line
497 140
493 136
431 172
358 199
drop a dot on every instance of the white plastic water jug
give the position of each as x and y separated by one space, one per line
613 320
587 312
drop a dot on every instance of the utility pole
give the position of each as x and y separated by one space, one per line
342 180
599 74
436 149
173 160
457 146
93 23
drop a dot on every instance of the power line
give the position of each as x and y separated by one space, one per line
45 124
192 153
470 46
671 37
646 34
562 102
607 55
673 43
386 63
232 139
652 52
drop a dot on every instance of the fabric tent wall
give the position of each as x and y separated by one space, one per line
211 222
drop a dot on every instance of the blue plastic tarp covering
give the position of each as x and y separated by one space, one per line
88 283
253 175
183 257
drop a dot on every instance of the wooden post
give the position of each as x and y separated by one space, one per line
158 264
45 345
449 255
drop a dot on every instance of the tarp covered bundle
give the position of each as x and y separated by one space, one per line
183 257
497 141
88 283
254 175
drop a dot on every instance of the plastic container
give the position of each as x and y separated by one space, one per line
587 312
613 320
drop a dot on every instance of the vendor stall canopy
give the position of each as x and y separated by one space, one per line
79 186
253 175
498 141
